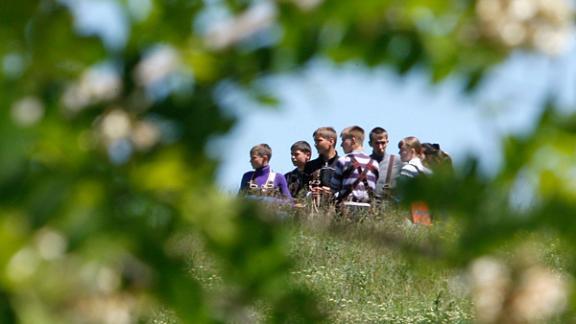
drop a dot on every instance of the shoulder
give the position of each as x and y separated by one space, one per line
332 162
389 156
426 170
313 161
361 157
247 176
345 158
410 168
414 167
373 165
364 158
313 165
395 160
279 177
417 163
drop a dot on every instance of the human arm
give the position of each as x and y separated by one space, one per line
244 182
283 186
337 176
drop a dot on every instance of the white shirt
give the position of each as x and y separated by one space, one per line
413 168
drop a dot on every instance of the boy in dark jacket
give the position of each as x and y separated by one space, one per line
297 179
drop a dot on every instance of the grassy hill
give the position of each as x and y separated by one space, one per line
382 269
379 269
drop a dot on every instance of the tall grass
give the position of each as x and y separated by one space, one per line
379 269
374 268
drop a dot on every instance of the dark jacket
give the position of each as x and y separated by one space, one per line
297 182
321 169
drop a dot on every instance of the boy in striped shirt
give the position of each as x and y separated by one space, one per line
356 172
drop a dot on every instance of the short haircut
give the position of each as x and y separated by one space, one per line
377 131
353 131
301 146
411 142
326 132
262 150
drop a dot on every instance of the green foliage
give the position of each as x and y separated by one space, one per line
103 164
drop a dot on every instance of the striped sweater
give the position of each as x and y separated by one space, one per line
348 170
413 168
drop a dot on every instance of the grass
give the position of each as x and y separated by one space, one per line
376 270
363 273
382 269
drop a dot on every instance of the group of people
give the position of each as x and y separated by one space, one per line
356 178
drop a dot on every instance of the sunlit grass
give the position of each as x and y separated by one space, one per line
380 269
375 268
363 273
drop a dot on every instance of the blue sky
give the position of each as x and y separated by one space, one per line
324 95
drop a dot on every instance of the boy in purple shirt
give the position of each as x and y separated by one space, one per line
263 181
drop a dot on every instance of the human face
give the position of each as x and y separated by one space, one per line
407 153
299 158
347 144
323 145
379 144
258 161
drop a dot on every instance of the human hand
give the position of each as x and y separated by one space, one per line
325 189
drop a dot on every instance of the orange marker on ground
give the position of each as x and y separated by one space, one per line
420 213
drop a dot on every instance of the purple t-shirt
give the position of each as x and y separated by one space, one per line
260 176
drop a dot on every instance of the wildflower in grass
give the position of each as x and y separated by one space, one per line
540 294
518 293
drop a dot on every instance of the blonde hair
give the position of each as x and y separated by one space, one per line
327 133
411 142
262 150
353 131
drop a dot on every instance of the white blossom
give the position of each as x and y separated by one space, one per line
23 264
145 135
523 292
307 5
543 25
50 244
115 125
490 281
157 65
540 294
27 111
226 33
96 85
